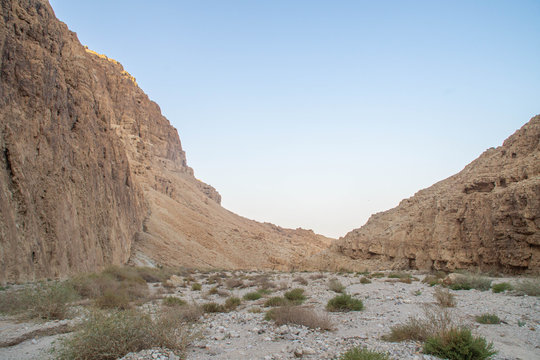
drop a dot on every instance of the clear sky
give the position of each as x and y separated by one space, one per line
317 114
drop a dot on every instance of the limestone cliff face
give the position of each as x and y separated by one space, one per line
91 173
486 217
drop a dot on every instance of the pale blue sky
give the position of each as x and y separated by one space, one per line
316 114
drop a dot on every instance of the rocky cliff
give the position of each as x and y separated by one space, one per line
485 217
92 174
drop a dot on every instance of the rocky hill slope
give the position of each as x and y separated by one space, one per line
92 174
485 217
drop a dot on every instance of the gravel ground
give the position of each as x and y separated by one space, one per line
244 334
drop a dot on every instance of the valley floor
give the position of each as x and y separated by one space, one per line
243 333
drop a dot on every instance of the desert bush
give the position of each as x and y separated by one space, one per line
364 280
213 307
113 300
377 275
154 274
301 280
276 301
399 275
111 280
360 353
196 286
344 303
458 344
299 315
173 301
435 321
232 303
336 286
108 336
44 301
530 287
469 281
295 295
264 291
213 291
501 287
431 280
444 297
234 283
488 319
254 295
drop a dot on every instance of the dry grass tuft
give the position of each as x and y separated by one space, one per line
299 315
234 283
435 321
336 286
301 280
530 287
444 297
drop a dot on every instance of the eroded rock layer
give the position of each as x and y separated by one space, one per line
485 217
92 174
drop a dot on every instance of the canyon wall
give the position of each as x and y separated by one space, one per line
486 217
92 174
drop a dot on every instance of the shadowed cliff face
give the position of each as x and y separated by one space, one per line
485 217
92 174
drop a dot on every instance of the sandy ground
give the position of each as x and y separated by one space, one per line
244 334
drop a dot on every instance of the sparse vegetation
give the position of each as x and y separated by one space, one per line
254 295
501 287
344 303
316 276
173 301
336 286
458 344
435 321
196 287
399 275
232 303
365 280
301 280
360 353
299 315
48 301
469 281
108 336
213 307
530 287
444 297
276 301
488 319
377 275
113 300
234 283
295 295
431 280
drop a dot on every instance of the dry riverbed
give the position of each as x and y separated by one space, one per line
243 332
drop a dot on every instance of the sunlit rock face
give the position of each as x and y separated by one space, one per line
92 174
485 217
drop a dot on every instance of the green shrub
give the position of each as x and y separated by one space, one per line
173 301
344 302
359 353
377 275
458 344
263 291
488 319
232 303
295 295
196 287
254 295
276 301
108 336
501 287
336 286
